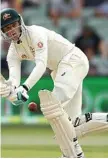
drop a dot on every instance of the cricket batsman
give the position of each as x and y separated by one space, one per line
69 67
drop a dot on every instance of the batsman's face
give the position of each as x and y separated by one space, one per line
13 31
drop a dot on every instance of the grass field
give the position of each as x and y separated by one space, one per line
37 142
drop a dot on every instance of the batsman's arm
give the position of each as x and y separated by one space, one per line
14 66
35 75
41 63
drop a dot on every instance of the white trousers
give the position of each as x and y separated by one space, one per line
68 79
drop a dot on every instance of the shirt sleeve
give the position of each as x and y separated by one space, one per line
14 65
41 53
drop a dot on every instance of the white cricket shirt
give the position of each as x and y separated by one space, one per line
45 47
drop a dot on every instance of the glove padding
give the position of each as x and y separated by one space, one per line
16 96
5 89
20 95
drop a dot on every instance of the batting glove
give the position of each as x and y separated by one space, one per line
5 89
22 95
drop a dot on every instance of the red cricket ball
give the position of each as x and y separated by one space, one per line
32 107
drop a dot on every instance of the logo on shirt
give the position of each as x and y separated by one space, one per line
32 50
6 16
40 44
63 74
24 56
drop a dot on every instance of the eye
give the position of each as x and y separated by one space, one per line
7 28
14 24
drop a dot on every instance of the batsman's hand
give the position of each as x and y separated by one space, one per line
22 95
5 89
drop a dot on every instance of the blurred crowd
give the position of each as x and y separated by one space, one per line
88 38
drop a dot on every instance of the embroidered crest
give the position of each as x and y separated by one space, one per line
6 16
63 74
40 44
24 56
32 50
